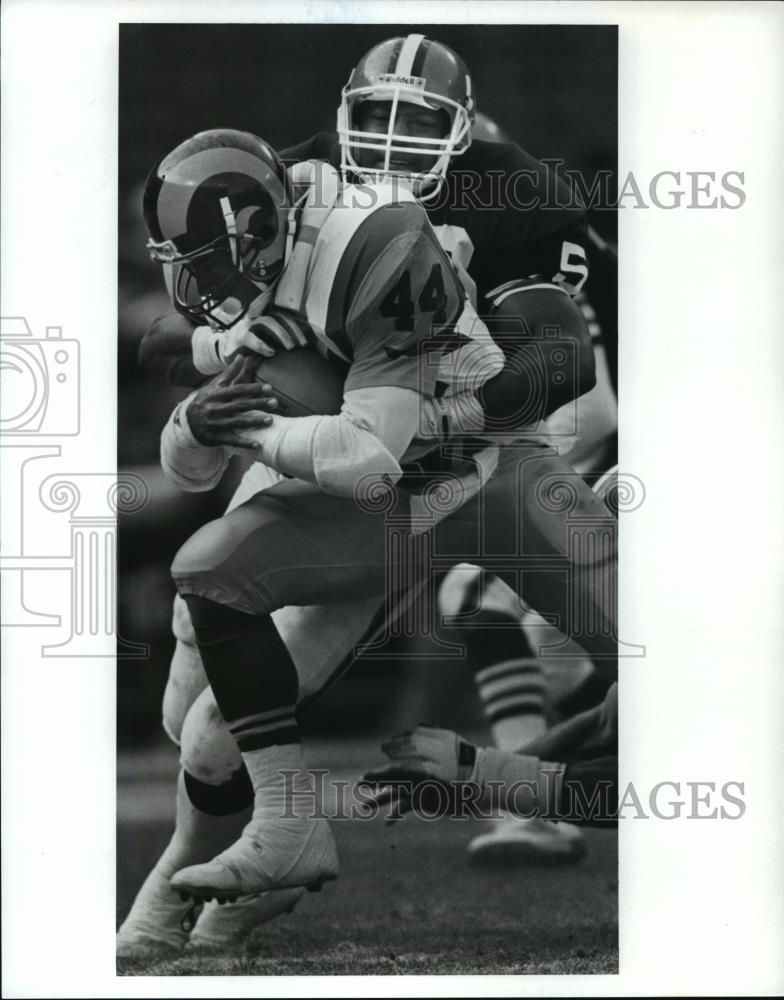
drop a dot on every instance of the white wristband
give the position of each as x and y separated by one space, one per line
204 345
181 431
523 785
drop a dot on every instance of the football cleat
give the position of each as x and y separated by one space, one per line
158 922
220 927
517 840
272 853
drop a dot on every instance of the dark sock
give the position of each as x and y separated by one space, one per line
251 673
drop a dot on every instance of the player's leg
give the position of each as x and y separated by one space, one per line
321 641
540 528
292 545
158 919
213 805
508 676
212 780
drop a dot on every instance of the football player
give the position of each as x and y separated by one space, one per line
239 269
503 216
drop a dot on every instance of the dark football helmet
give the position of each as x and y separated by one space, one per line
219 212
410 70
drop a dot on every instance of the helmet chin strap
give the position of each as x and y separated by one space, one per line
291 226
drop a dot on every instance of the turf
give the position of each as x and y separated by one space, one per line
407 903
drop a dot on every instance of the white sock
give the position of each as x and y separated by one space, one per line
281 781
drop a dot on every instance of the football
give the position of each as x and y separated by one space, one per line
304 382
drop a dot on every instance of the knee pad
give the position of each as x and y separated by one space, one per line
186 682
208 751
186 674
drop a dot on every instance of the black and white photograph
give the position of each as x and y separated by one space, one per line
366 369
391 459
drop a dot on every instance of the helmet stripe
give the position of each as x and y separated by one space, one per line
393 56
405 60
419 59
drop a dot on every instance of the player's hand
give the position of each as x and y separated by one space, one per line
424 754
261 336
222 412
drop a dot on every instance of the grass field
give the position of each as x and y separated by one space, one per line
406 901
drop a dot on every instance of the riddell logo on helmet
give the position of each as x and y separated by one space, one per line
409 81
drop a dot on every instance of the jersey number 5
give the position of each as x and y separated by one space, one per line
398 303
573 263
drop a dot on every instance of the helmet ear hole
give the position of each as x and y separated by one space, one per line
258 224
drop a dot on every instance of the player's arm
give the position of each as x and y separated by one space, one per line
541 262
187 355
549 354
570 773
343 453
203 430
166 349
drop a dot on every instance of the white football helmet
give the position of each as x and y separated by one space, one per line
411 70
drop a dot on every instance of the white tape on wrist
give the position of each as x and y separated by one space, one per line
204 345
526 786
181 430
